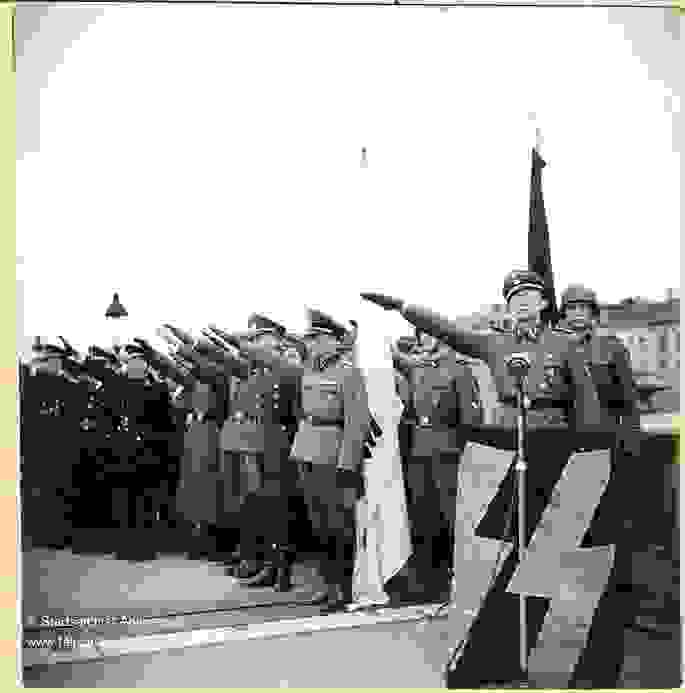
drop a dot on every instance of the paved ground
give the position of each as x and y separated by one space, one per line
61 582
400 655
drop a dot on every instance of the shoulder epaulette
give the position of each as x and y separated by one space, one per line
563 330
612 339
464 362
500 330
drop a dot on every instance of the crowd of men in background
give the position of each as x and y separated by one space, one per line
248 447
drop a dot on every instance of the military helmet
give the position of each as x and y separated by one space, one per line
521 280
577 293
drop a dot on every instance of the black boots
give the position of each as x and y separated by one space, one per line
284 559
275 572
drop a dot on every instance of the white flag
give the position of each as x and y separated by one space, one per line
383 537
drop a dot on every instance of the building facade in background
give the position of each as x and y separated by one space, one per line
650 330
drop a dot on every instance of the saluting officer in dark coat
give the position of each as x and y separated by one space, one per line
49 448
563 416
201 497
143 444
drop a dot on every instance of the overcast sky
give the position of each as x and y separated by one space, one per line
204 161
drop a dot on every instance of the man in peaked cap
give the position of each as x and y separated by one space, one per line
332 396
265 331
563 416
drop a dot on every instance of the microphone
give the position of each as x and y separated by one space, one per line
518 365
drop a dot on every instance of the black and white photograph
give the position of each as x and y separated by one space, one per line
348 344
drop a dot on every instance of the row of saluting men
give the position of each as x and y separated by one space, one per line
271 399
247 404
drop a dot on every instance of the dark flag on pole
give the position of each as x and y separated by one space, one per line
539 255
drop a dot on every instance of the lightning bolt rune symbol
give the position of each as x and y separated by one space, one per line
554 567
573 579
482 470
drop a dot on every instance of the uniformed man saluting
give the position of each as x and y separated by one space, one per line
261 428
558 386
559 395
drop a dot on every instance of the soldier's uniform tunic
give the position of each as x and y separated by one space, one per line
443 397
329 449
259 433
268 403
205 497
144 444
99 473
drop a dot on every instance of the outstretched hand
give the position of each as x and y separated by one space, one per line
386 302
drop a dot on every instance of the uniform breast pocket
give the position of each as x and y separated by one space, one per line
604 379
443 397
552 377
323 401
601 372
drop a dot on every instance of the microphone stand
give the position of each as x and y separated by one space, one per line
521 468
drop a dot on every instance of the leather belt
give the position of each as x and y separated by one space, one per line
533 404
506 415
239 417
318 421
426 422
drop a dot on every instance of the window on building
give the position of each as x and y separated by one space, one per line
677 341
663 363
663 343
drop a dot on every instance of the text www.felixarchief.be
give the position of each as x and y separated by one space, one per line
61 642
